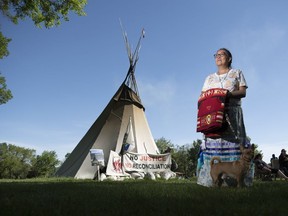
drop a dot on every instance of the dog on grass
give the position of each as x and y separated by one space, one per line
235 169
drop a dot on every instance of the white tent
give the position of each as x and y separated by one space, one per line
124 111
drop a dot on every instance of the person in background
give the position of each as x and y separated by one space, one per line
261 165
283 161
273 158
227 146
174 165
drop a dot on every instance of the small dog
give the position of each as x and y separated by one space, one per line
235 169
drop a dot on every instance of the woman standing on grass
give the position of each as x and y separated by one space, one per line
226 144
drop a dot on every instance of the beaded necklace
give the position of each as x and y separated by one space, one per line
222 79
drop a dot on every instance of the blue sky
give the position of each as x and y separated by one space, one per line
62 78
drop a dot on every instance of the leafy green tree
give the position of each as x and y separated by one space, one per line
181 156
5 94
163 144
15 161
48 12
45 164
67 155
256 150
185 155
42 12
3 46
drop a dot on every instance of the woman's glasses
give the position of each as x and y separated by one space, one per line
219 55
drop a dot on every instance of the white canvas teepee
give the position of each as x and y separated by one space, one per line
124 115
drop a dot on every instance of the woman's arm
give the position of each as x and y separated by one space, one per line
241 93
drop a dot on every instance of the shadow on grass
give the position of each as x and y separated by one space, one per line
143 197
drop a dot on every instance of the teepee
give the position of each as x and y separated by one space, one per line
124 112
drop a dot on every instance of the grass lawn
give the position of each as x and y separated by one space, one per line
142 197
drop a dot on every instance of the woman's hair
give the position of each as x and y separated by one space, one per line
228 54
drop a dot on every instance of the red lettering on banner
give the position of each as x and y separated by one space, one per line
147 158
128 165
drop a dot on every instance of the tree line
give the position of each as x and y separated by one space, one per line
19 163
185 156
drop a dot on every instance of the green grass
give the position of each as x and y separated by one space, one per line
142 197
